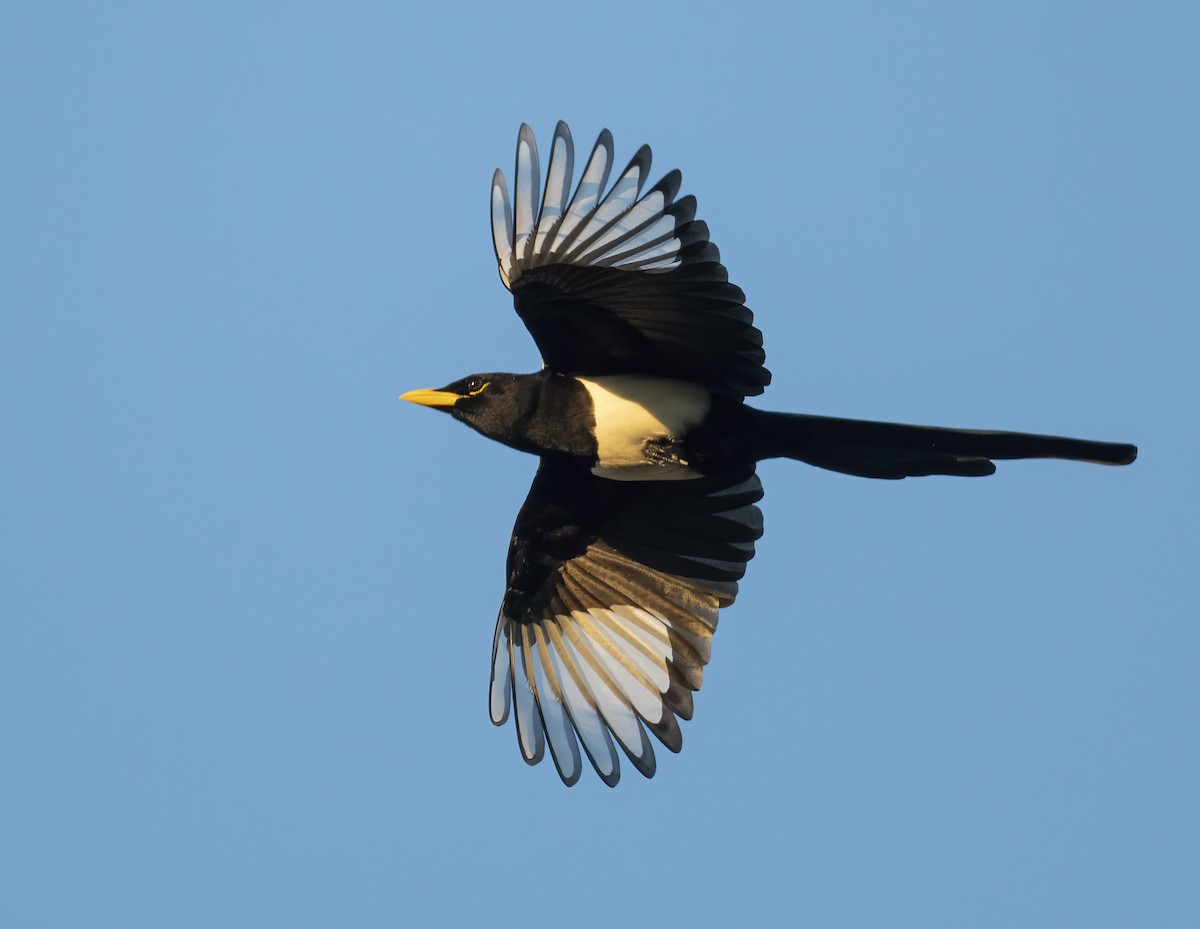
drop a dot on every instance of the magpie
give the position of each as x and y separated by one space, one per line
642 514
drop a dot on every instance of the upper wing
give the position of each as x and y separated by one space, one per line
612 600
615 283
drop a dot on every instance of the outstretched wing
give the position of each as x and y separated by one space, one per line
612 601
618 282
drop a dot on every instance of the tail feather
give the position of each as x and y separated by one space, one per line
895 450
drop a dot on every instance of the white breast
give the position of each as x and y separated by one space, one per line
633 409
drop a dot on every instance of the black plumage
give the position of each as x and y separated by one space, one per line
643 515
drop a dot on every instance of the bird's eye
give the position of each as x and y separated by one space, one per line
475 385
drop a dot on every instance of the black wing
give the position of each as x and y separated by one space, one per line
612 600
616 283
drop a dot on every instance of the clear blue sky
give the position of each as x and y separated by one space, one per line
248 596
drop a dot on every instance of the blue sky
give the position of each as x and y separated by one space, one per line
248 595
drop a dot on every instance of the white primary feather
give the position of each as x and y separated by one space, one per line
501 686
558 191
593 733
560 735
526 176
530 734
593 228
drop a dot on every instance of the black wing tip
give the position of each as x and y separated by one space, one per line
683 209
641 160
669 185
569 780
647 764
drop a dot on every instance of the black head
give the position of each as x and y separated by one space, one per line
494 404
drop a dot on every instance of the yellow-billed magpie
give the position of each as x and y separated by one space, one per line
642 516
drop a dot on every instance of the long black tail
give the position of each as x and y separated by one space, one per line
894 450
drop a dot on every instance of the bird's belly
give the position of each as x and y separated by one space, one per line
639 419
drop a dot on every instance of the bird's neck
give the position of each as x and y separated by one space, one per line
550 413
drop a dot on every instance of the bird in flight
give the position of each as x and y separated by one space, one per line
642 515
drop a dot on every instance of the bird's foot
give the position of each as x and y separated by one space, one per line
664 451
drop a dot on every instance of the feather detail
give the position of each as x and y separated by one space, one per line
609 647
593 228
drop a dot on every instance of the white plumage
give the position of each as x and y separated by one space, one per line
593 228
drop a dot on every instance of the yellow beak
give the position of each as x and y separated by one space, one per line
439 399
